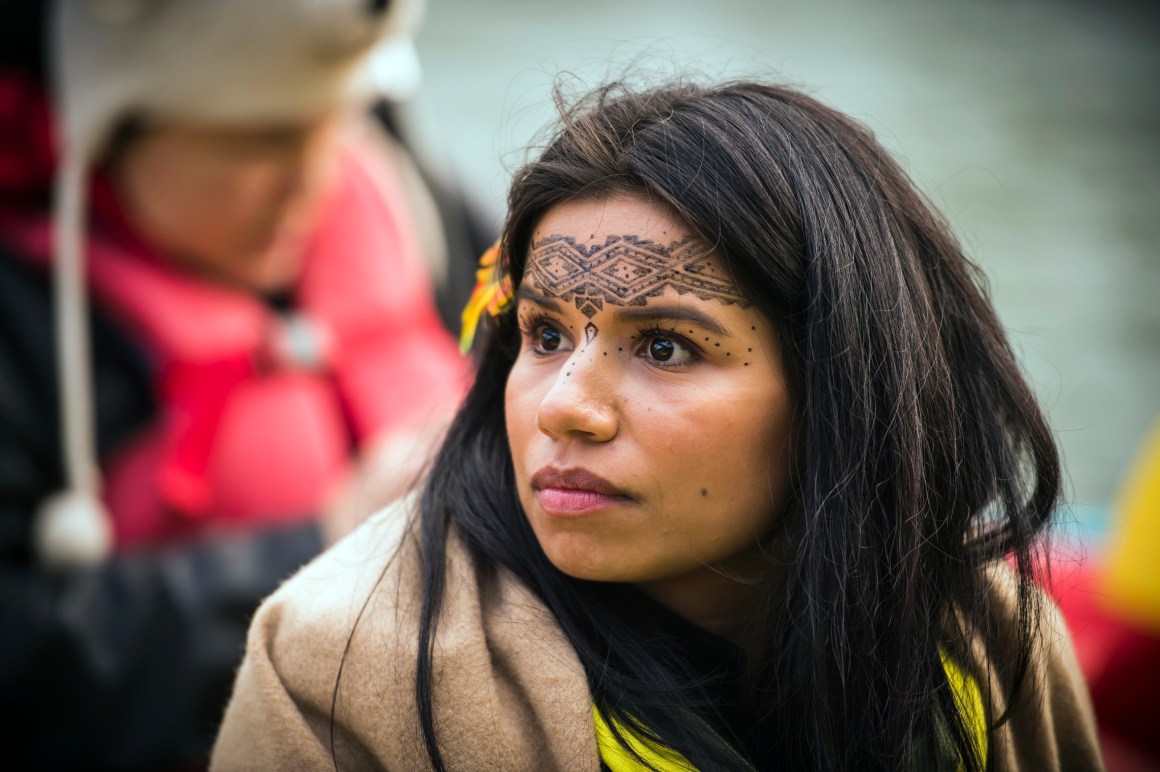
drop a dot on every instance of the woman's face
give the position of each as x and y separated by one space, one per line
235 204
647 412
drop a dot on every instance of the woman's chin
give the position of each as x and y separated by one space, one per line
275 268
583 563
271 271
580 558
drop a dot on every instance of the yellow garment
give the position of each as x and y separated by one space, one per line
618 759
967 696
969 700
1132 583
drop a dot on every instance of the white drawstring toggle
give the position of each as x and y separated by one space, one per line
72 531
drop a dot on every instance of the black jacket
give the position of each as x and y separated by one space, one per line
129 665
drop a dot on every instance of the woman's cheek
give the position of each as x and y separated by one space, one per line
519 409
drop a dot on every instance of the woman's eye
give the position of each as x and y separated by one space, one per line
666 350
548 338
662 350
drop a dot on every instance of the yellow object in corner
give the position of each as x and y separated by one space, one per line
1132 581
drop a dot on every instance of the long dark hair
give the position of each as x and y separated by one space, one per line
922 455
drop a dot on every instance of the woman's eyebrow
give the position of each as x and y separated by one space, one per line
653 313
656 313
529 293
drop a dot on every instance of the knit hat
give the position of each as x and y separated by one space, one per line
203 61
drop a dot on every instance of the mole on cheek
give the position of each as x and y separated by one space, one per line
704 491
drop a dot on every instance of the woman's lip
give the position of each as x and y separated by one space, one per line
569 502
574 479
574 491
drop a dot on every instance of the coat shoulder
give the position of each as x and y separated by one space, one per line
311 647
331 661
318 607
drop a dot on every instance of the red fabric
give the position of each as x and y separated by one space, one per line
244 436
27 158
1121 663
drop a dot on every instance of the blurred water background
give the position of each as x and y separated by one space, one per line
1034 125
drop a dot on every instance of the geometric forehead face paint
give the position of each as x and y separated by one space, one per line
626 271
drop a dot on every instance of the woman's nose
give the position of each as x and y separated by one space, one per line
582 402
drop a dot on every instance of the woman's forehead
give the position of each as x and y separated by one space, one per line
593 219
622 252
625 270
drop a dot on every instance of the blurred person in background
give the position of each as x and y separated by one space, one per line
202 231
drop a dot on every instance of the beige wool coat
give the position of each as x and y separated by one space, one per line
510 693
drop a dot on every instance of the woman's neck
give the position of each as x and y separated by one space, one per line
723 600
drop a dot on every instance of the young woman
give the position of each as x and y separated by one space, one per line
748 479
